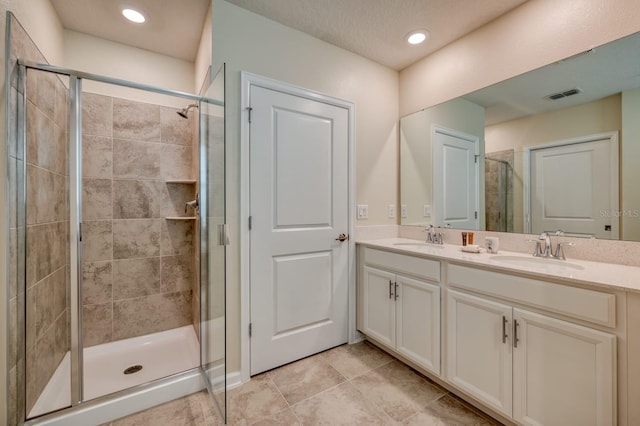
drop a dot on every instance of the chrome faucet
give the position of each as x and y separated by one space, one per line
559 253
545 239
434 237
430 230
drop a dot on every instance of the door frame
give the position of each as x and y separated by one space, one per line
437 204
614 150
247 80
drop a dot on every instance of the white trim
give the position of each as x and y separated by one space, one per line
246 81
437 209
526 191
234 380
245 251
614 178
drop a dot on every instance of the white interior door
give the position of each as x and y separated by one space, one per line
455 179
571 188
299 184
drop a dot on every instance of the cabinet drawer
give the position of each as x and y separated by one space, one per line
588 305
408 265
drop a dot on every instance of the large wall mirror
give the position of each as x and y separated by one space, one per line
555 148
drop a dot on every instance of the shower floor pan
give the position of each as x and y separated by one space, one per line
159 354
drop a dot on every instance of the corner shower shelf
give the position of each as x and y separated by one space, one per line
185 181
181 218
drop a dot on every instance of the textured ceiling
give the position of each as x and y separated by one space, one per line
377 29
173 27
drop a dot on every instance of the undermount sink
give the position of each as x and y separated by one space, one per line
418 245
537 262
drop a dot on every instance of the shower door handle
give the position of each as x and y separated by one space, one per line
223 234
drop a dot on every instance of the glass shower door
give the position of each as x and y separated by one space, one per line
213 241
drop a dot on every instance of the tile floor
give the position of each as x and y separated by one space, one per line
348 385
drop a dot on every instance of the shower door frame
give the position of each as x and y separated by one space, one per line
206 245
75 216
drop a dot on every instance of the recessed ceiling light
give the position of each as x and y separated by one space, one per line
133 16
417 37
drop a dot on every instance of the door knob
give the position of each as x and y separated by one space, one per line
342 237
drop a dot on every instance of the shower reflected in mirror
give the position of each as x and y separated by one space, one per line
498 191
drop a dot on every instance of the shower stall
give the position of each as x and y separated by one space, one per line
117 241
499 191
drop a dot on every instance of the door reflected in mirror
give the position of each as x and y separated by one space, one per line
539 164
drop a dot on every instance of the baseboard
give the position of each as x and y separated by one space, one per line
234 379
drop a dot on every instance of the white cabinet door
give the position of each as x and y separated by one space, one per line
479 353
564 374
379 305
418 322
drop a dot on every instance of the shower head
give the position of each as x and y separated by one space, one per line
183 112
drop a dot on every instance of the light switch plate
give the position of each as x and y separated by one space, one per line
403 210
363 211
391 211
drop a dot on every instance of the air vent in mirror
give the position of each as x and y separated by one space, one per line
565 94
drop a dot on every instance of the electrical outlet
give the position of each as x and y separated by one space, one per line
427 210
391 211
363 211
403 210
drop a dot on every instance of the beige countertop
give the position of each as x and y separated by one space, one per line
607 275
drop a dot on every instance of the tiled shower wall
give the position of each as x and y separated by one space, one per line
137 265
47 269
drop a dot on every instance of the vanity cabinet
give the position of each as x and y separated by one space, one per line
529 349
402 312
534 368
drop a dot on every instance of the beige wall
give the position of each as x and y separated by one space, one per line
535 34
203 56
246 41
594 117
95 55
